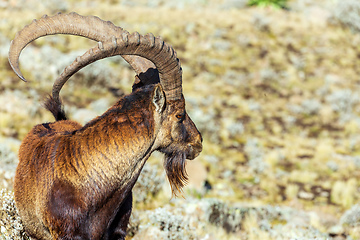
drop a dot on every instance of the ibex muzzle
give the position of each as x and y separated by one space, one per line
75 182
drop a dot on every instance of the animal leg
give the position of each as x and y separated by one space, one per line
119 226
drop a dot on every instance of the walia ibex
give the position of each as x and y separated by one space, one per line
75 182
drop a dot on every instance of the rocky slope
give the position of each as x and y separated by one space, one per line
274 92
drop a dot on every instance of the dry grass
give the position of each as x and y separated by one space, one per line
275 94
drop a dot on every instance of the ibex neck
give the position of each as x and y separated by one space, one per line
115 147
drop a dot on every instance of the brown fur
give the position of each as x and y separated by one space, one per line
75 182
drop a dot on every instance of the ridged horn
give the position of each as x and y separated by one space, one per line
149 47
90 27
74 24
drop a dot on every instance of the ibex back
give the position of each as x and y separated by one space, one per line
75 182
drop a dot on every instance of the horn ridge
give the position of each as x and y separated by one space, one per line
167 64
59 24
132 46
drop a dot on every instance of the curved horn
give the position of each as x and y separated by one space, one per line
149 47
74 24
90 27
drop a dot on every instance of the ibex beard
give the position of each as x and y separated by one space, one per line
175 167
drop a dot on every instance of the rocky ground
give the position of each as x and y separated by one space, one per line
274 92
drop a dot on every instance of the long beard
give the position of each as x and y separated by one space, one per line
174 164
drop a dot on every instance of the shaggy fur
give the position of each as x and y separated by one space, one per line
75 182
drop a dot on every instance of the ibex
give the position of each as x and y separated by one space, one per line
75 182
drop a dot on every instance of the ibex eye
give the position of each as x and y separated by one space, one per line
179 116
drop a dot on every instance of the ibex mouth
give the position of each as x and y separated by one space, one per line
193 156
194 151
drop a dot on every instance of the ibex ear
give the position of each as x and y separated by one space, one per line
158 98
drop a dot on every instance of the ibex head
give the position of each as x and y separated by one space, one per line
155 63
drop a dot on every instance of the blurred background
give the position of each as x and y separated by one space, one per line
273 86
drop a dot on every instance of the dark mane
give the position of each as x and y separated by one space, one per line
55 108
